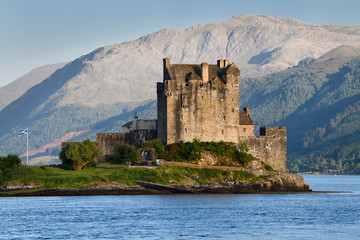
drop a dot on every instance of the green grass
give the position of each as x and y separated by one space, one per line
52 177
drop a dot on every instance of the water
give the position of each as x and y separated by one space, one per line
250 216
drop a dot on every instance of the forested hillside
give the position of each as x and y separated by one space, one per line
319 102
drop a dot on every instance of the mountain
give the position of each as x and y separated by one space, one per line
14 90
319 101
108 84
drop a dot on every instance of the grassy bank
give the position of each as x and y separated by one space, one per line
53 177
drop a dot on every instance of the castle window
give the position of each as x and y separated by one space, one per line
224 117
202 97
244 130
182 116
233 110
274 137
222 131
185 130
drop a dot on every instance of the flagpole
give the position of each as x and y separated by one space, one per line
27 148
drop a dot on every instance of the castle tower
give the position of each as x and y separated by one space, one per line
198 101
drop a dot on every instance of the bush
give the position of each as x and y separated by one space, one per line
156 144
183 152
124 153
77 156
7 164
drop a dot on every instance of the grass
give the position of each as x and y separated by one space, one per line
53 177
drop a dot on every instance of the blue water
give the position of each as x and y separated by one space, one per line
249 216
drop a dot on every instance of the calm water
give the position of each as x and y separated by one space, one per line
278 216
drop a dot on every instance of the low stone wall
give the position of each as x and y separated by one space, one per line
182 164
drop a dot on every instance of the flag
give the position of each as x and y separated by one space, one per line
23 132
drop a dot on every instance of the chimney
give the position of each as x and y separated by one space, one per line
220 63
226 63
135 122
247 111
205 72
166 68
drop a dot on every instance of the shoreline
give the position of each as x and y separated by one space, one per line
140 191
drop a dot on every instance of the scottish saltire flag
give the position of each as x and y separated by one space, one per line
23 132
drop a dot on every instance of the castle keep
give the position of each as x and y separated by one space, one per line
202 101
198 101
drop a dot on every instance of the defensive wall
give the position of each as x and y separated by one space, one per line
106 142
270 147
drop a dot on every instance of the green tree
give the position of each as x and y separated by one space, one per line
124 153
8 163
80 155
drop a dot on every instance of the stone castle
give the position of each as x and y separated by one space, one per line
202 101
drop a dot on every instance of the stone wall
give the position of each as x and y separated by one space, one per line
270 146
139 136
246 130
106 142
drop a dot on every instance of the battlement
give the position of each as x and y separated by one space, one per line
273 131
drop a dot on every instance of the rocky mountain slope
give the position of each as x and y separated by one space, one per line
14 90
99 91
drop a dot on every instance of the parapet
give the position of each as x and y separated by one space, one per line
273 131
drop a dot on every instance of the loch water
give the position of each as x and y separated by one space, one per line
242 216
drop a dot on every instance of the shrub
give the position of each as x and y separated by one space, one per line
182 152
77 156
156 144
7 164
124 153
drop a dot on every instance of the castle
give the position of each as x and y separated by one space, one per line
202 101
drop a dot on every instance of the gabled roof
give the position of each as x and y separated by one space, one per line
245 119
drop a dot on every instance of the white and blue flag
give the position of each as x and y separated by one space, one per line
23 132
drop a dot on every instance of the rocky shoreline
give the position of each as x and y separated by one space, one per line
279 183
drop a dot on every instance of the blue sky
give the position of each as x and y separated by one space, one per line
39 32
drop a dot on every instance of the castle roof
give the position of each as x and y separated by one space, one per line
193 71
245 118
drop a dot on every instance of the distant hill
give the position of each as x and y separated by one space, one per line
18 87
319 102
101 90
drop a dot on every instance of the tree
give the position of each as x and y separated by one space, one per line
80 155
124 153
8 163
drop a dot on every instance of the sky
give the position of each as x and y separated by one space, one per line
34 33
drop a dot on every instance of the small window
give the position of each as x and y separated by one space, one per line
202 97
244 130
185 130
233 110
182 116
224 117
274 137
222 131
